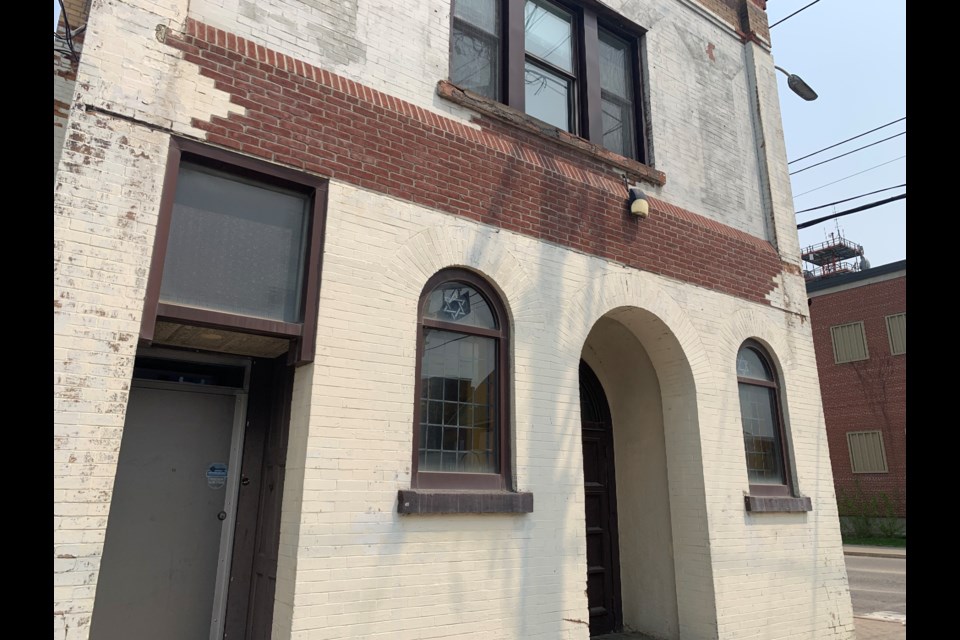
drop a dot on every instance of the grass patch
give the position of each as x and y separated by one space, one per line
877 541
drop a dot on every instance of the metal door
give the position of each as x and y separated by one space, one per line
167 548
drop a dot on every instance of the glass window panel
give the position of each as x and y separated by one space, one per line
547 96
479 13
475 61
451 389
434 437
460 303
616 66
452 424
435 415
761 435
435 386
450 460
548 33
235 246
751 365
450 413
617 120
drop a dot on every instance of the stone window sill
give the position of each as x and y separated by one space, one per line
425 501
635 171
777 504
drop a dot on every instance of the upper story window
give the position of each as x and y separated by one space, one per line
236 262
849 342
897 333
764 438
574 66
460 434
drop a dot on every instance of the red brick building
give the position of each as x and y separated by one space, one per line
859 333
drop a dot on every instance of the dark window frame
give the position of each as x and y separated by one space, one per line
302 335
586 108
781 490
502 481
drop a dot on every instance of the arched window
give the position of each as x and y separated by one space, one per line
460 420
764 438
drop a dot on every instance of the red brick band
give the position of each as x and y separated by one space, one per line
303 116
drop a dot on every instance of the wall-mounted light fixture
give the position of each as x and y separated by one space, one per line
639 205
797 85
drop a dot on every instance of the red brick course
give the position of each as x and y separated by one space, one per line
867 395
305 117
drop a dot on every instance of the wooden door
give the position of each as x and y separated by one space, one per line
600 500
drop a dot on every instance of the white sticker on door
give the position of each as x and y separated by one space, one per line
216 475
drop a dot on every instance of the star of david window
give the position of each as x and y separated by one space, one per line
460 414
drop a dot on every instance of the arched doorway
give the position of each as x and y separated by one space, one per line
600 504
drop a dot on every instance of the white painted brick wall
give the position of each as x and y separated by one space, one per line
351 567
62 91
523 575
103 240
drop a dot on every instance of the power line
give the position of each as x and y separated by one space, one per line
883 126
850 176
862 195
793 14
810 223
866 146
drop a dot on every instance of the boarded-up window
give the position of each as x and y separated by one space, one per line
866 452
849 342
897 333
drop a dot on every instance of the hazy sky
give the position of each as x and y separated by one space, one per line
853 54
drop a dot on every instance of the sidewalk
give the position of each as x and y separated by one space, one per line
869 629
875 552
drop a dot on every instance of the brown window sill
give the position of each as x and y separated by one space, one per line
412 501
777 504
635 171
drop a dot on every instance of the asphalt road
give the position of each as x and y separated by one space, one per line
877 585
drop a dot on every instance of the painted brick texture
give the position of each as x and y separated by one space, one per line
867 395
353 551
65 71
416 186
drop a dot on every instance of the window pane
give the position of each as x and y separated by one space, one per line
617 126
548 33
460 303
761 435
235 246
480 13
751 365
547 96
462 430
616 66
475 61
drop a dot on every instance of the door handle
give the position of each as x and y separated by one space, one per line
222 515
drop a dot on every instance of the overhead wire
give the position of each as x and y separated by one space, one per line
862 195
850 176
883 126
871 205
793 14
866 146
